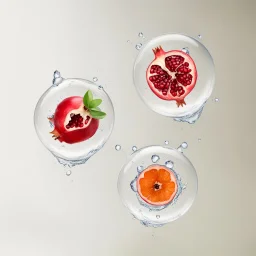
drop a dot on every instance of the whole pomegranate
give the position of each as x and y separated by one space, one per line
171 75
76 119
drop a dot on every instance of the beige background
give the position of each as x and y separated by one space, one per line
44 212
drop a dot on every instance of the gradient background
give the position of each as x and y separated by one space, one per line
44 212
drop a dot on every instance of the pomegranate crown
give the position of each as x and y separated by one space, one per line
92 105
158 51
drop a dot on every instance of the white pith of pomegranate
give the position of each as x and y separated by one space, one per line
171 75
73 122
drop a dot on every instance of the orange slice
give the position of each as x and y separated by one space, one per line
157 185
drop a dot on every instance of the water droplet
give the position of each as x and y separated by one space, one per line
169 164
57 79
155 158
158 216
166 142
128 41
100 87
138 46
199 36
140 168
134 148
133 185
117 147
56 74
184 187
184 145
68 173
199 140
186 50
216 99
140 34
95 79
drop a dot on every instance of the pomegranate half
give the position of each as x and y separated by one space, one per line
171 75
73 122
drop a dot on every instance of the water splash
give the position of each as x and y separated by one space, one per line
155 158
57 79
191 118
138 46
134 148
95 79
118 147
169 164
186 50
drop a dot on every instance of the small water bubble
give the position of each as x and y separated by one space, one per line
140 34
100 87
128 41
95 79
138 46
199 36
155 158
68 173
169 164
158 216
134 148
199 140
184 145
117 147
140 168
186 50
216 99
166 142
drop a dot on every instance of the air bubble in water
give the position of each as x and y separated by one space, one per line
134 148
169 164
155 158
117 147
140 168
138 46
95 79
68 173
140 34
186 50
166 142
184 145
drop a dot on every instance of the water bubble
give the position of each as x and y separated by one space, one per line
100 87
199 36
186 50
117 147
158 216
184 145
138 46
166 142
140 34
169 164
155 158
199 139
140 168
134 148
216 99
128 41
68 173
95 79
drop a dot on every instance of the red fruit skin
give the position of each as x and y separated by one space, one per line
75 136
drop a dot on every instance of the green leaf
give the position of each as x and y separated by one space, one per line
95 103
96 108
88 97
97 114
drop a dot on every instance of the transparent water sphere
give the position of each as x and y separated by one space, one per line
180 166
77 153
196 99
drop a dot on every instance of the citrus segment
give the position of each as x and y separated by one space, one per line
157 185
